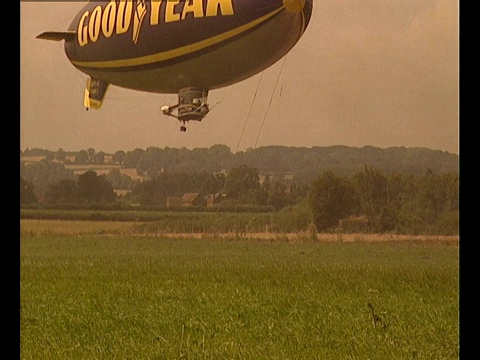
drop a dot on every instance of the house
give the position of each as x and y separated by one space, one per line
193 199
214 199
188 199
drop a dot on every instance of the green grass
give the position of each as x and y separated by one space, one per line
130 297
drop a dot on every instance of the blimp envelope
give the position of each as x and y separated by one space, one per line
165 46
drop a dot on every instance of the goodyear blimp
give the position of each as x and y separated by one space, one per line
184 47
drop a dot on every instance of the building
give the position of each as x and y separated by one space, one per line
193 199
214 199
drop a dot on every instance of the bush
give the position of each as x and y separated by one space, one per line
448 223
331 198
292 219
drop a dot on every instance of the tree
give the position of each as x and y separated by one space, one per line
152 192
91 153
277 196
132 158
60 155
49 157
64 191
331 198
99 158
213 183
27 195
372 189
81 157
242 183
94 188
119 180
43 173
119 157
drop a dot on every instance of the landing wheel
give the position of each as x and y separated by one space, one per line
183 128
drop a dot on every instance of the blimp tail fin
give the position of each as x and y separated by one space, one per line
95 93
57 35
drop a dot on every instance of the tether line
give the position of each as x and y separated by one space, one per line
249 112
270 102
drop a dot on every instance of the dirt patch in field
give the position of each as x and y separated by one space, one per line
106 228
301 237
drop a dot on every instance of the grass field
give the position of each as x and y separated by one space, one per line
98 291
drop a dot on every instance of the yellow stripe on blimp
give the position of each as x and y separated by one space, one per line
171 54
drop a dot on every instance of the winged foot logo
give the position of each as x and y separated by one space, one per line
116 16
140 11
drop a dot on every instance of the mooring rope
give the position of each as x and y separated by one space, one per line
270 102
249 112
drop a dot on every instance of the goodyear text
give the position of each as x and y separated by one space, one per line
118 17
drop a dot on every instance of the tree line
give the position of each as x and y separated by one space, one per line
301 164
403 203
386 202
241 186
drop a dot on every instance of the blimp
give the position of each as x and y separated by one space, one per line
183 47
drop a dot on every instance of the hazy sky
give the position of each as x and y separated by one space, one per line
366 72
